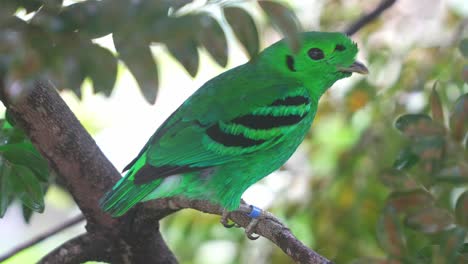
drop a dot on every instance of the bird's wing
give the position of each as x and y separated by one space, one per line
213 129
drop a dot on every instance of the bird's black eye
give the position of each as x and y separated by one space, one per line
290 63
316 54
340 47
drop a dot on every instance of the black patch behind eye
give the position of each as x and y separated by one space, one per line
290 63
316 54
340 47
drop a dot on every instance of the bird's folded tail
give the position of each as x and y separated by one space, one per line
125 194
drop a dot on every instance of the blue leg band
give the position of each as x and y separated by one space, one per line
255 213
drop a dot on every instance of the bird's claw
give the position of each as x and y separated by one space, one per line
255 213
250 229
225 220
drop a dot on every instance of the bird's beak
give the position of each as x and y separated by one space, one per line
356 67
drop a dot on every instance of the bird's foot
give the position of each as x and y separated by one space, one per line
225 220
256 214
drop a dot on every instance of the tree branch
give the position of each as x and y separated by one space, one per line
80 249
42 237
270 227
69 149
361 22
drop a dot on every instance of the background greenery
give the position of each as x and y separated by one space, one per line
381 178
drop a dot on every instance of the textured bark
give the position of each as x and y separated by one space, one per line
70 150
80 249
269 227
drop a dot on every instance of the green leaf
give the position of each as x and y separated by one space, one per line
101 66
73 73
452 243
52 3
424 255
461 210
463 254
8 8
9 134
244 29
285 21
176 4
405 159
26 155
464 47
429 220
390 233
30 5
397 180
186 53
176 29
5 193
213 39
9 121
47 20
410 201
139 60
459 118
27 213
430 150
91 18
27 187
417 125
436 105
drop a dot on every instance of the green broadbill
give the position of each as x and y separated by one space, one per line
238 127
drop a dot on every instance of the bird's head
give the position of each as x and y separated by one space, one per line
322 59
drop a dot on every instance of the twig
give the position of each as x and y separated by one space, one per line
42 237
270 227
356 26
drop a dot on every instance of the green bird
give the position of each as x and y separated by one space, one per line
238 127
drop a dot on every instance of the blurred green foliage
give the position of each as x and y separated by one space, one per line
26 53
24 173
388 184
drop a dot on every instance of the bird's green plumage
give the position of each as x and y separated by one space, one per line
238 127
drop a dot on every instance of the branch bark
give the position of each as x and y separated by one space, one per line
270 227
69 149
80 249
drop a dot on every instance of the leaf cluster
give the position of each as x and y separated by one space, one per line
58 40
24 173
425 216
